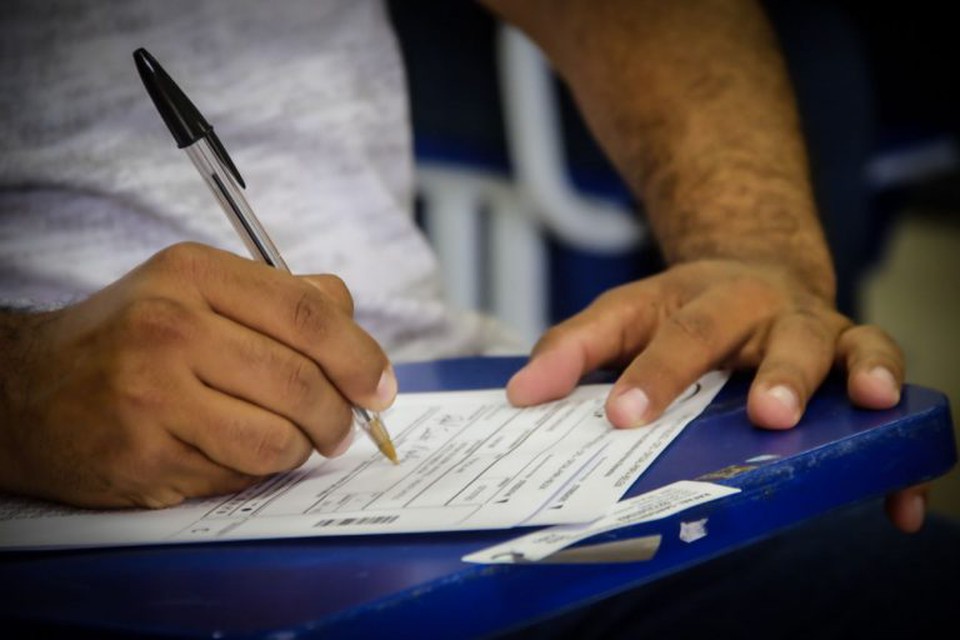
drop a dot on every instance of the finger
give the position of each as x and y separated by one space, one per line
875 366
294 311
161 472
617 324
798 355
906 509
686 345
253 367
334 288
551 373
239 435
196 477
211 479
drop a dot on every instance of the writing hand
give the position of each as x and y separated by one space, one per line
197 373
667 330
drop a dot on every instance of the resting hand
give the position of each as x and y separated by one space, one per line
668 330
197 373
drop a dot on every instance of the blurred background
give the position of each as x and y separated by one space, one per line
531 223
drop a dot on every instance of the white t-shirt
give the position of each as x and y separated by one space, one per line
309 98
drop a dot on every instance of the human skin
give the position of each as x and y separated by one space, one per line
101 402
692 102
198 373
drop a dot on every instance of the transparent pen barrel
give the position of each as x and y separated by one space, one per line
230 196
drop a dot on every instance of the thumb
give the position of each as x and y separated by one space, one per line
610 330
552 372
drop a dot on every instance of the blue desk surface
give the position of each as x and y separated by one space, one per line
360 586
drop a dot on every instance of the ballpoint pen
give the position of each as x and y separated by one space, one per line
195 135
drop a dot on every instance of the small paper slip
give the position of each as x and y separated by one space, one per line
468 460
653 505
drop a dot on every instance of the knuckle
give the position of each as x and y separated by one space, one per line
298 457
148 461
157 321
276 449
557 335
814 329
139 396
334 287
234 482
626 300
870 332
550 336
696 327
157 498
342 417
133 390
135 468
301 382
181 259
833 322
337 424
871 342
751 286
148 334
309 317
610 296
661 378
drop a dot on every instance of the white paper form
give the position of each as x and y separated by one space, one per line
653 505
468 460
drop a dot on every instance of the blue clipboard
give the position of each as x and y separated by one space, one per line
359 586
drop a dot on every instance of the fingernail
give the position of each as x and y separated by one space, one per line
918 508
884 377
387 387
787 399
344 444
631 407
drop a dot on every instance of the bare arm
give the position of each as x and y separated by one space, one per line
691 101
197 373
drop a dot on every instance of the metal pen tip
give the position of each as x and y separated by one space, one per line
382 439
371 423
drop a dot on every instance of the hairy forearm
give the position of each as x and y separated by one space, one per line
14 325
691 101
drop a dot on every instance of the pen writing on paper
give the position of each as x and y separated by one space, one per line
473 462
196 136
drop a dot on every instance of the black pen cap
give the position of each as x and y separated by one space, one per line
184 120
